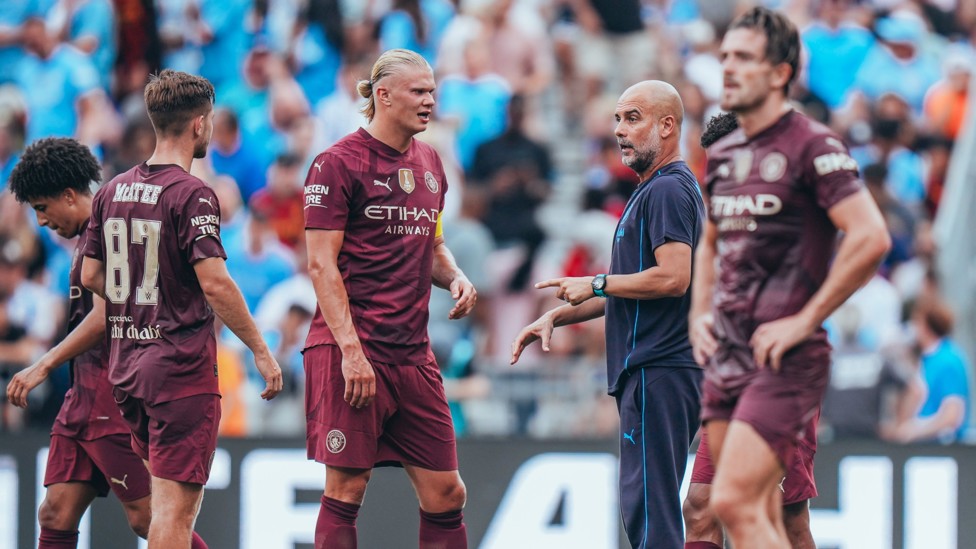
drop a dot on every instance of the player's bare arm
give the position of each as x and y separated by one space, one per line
542 328
227 302
448 276
701 323
330 292
93 276
85 336
864 245
671 277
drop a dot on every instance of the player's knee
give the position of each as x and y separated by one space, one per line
697 514
728 505
54 514
139 519
447 497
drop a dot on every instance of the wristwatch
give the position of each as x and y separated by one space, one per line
599 283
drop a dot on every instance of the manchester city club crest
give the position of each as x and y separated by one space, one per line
335 441
431 183
742 164
772 167
406 180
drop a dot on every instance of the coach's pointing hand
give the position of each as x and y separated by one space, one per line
573 290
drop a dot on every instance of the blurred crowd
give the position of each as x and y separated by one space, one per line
525 96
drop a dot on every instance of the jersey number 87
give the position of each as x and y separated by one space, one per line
118 284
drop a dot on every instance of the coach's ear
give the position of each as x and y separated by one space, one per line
667 126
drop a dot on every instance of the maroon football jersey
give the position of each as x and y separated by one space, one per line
768 197
89 410
387 203
149 225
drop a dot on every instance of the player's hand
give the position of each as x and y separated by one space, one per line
773 339
572 290
23 382
360 379
464 295
271 372
540 329
702 337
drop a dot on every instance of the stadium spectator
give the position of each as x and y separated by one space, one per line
868 388
256 259
61 87
339 114
946 101
281 200
943 411
836 46
12 17
474 100
226 38
89 26
231 154
416 25
316 48
368 344
182 33
898 63
650 370
757 312
158 284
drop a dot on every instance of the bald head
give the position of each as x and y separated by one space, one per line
659 97
649 116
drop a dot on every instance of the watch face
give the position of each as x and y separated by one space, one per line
599 282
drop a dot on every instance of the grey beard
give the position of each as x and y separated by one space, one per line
642 160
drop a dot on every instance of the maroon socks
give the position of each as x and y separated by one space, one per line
57 539
336 527
442 530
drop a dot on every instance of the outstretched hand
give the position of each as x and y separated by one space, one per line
540 329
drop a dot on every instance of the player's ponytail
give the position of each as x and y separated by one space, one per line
388 63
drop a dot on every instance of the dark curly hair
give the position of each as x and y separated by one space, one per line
173 98
52 165
718 127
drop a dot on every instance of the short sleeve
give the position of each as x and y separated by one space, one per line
830 170
198 225
670 214
327 194
94 248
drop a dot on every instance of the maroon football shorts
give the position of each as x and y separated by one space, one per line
178 438
409 422
106 462
799 483
778 405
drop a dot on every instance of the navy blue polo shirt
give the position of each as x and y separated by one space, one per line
644 333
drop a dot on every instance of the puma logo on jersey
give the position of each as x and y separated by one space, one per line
318 165
120 482
378 183
207 201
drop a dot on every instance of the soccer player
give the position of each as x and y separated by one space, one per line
374 394
650 368
779 187
154 255
90 450
702 529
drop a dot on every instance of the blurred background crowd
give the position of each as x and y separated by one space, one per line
524 123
